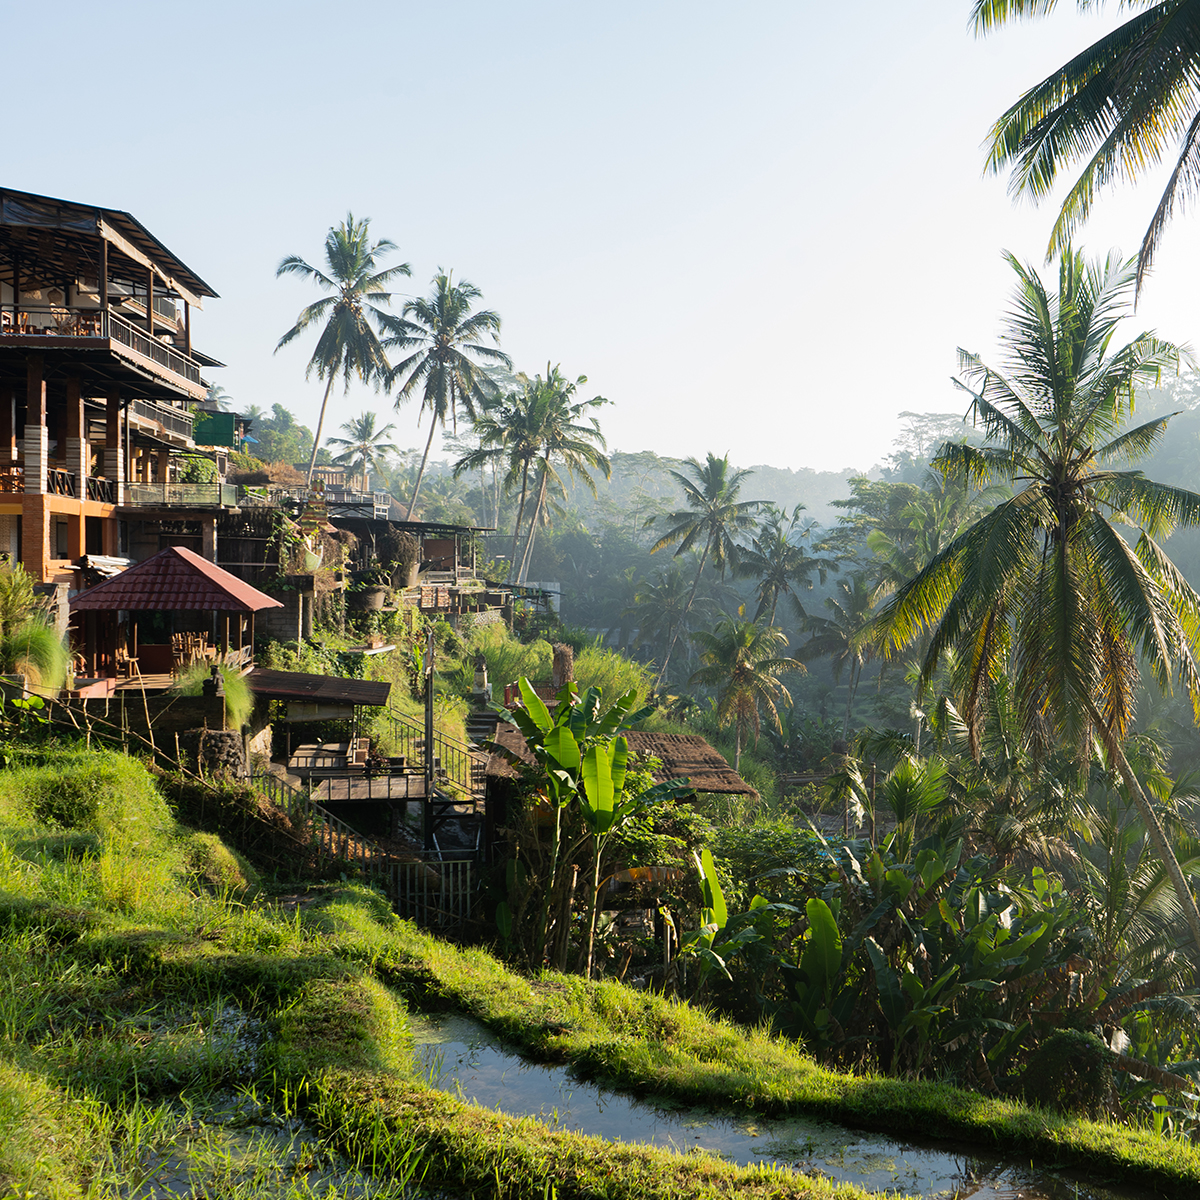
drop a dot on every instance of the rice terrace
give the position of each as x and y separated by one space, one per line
465 731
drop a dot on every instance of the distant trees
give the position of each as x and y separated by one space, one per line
364 447
780 564
347 344
741 663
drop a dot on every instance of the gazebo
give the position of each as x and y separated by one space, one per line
163 614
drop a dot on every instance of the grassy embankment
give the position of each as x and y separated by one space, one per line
141 967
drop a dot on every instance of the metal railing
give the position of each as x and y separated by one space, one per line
140 342
59 483
431 893
181 495
174 420
60 321
455 763
104 490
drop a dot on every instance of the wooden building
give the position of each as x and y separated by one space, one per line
97 378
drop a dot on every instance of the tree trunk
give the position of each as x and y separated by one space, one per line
687 608
533 521
1158 835
512 554
420 474
312 462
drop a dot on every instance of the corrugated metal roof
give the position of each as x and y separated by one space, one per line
684 756
173 580
295 685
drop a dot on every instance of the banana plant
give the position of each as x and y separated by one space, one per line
606 808
560 740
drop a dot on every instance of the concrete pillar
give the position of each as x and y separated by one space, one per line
76 444
36 436
163 462
114 458
208 538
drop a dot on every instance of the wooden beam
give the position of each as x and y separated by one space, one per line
104 282
150 303
108 233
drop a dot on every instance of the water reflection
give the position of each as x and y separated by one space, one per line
461 1057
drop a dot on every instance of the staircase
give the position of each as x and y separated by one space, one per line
481 726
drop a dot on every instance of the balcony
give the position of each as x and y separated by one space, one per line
173 420
181 495
59 483
106 329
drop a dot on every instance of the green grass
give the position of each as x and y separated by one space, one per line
140 974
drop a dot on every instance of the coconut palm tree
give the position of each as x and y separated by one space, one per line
509 432
1118 108
364 446
566 435
740 662
839 637
448 358
347 344
779 563
714 514
1044 585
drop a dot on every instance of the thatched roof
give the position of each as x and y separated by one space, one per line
684 756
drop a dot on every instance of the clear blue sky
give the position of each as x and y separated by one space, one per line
760 228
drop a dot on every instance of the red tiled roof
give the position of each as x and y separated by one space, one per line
174 580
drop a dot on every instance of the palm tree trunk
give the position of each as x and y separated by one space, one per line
1158 835
512 555
533 521
420 474
687 608
849 703
312 462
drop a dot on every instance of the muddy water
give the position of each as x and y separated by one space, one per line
461 1057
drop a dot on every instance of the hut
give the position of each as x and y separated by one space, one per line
162 615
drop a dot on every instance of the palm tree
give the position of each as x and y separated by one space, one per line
347 344
1118 107
661 612
567 437
444 336
716 515
217 397
778 562
839 637
740 662
1044 581
509 432
364 446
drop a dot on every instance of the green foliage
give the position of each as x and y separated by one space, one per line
1071 1071
239 700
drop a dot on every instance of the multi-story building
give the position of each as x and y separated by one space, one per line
98 376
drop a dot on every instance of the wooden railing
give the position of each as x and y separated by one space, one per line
61 321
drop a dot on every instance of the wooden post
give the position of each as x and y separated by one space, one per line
187 329
8 445
103 286
150 303
36 436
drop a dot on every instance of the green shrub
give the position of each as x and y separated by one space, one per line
239 700
208 861
1070 1072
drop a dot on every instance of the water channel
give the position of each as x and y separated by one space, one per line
462 1057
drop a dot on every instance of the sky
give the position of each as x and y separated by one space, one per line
760 229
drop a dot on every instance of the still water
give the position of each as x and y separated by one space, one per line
462 1057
